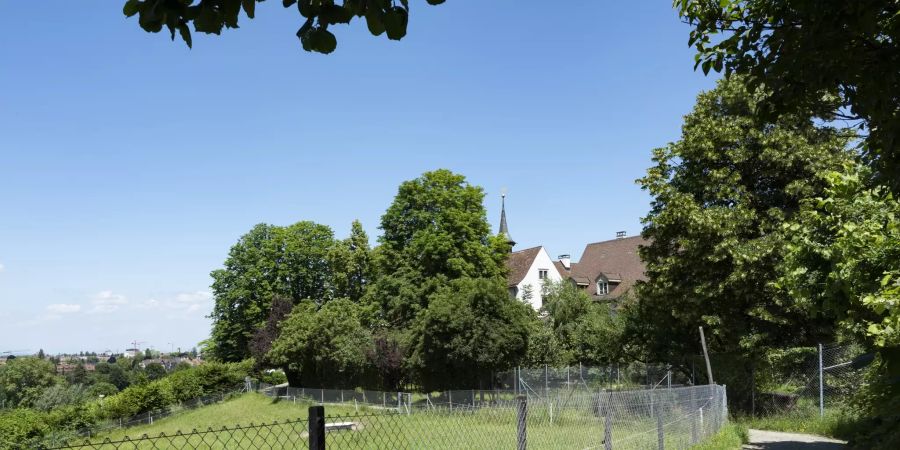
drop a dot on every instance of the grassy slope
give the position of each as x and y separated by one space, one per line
835 424
731 437
483 429
243 410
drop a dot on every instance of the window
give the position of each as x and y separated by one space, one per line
602 286
542 274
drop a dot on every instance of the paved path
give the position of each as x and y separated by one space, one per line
773 440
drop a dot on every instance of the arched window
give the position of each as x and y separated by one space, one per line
602 285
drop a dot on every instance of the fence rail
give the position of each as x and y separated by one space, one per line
670 418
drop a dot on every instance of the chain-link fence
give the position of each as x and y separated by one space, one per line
670 418
814 380
612 377
397 401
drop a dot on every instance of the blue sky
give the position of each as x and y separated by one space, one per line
129 164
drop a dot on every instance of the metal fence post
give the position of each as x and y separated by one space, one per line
607 429
316 428
660 439
522 417
821 385
695 437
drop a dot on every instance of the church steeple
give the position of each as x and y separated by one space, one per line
504 230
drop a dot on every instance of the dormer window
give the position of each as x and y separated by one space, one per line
602 286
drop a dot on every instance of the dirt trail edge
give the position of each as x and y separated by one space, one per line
774 440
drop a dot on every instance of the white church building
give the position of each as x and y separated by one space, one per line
529 269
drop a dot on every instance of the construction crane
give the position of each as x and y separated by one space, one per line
135 347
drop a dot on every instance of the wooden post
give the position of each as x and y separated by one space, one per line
706 356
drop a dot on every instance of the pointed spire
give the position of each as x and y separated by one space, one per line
504 230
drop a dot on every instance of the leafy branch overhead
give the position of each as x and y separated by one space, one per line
210 16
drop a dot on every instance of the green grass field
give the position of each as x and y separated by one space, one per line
493 428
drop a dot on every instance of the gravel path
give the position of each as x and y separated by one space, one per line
774 440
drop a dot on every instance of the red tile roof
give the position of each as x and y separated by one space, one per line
616 259
518 264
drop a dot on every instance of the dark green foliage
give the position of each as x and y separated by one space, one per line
836 58
470 329
436 230
268 261
324 347
211 16
25 427
351 266
844 258
24 379
720 197
588 331
181 386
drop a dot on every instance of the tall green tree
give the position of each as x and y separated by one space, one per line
435 230
720 197
836 58
470 329
843 259
269 261
350 265
23 381
588 331
210 16
325 346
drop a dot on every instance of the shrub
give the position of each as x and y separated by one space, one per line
22 428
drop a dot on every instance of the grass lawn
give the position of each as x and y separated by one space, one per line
731 437
835 424
242 410
490 428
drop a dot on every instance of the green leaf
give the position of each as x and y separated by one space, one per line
131 8
395 21
322 41
249 7
288 3
886 280
374 19
335 14
185 34
435 2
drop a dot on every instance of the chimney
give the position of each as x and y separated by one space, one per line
566 261
620 234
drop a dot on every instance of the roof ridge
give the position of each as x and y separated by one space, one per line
526 249
617 239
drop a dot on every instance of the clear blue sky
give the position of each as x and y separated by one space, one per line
129 164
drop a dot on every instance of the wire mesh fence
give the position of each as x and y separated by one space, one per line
671 418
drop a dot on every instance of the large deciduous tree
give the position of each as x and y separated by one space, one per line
588 331
720 197
351 267
211 16
325 346
844 257
838 58
23 380
269 261
470 329
436 230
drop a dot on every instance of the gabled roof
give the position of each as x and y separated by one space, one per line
616 259
519 262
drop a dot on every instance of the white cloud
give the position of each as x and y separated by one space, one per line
63 308
2 267
107 301
194 297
